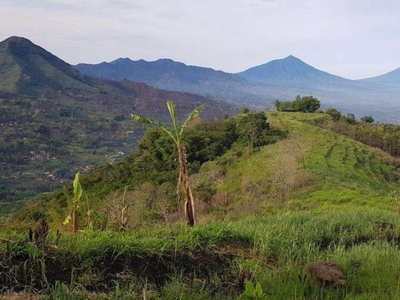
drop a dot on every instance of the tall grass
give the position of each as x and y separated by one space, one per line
271 250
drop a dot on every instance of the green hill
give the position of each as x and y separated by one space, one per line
268 203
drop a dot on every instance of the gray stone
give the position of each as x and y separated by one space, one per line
324 273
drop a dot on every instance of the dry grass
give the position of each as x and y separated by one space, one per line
20 296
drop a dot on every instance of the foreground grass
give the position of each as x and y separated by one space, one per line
214 261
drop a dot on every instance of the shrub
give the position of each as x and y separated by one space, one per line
307 104
334 113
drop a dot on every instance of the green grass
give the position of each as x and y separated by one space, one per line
271 250
317 168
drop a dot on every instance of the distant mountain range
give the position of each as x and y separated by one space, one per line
27 70
174 76
259 86
153 72
32 71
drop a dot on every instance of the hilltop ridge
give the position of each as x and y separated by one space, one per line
28 69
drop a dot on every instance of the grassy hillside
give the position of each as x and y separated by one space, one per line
264 213
313 169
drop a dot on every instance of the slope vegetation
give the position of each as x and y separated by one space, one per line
302 166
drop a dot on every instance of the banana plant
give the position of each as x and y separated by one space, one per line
176 133
76 200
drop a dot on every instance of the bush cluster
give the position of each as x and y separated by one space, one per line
307 104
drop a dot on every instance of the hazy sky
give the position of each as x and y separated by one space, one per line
349 38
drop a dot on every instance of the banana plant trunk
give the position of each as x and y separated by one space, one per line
189 202
74 220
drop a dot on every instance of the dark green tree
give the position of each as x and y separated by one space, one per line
367 119
253 128
307 104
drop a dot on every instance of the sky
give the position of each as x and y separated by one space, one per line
353 39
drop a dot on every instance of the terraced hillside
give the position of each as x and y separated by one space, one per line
313 168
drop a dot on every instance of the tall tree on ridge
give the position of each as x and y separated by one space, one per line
176 135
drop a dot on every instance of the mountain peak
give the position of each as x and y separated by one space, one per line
17 39
289 70
15 42
290 57
121 60
21 47
166 61
31 66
